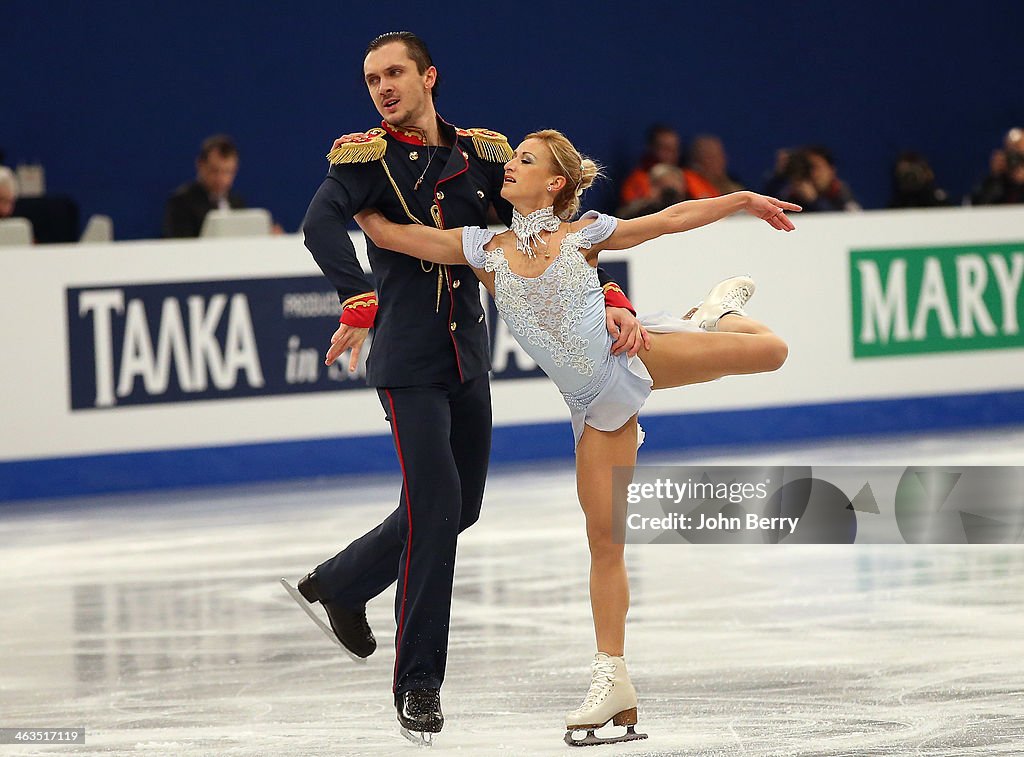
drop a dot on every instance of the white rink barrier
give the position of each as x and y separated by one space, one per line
136 365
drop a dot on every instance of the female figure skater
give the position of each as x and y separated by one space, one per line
542 275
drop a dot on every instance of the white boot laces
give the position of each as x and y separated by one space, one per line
600 684
736 298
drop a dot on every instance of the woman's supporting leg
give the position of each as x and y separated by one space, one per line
740 345
597 454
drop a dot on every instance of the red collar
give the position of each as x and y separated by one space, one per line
415 136
409 136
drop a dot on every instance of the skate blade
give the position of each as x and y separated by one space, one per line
419 738
306 608
592 739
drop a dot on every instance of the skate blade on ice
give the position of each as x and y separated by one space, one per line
306 608
591 739
419 738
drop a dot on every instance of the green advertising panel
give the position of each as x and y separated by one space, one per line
913 300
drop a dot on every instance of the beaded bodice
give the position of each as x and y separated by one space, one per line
546 310
557 317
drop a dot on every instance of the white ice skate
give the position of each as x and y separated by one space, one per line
726 297
611 698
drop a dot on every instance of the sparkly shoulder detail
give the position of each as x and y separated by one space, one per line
598 231
474 239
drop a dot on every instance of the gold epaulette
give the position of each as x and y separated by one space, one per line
361 148
489 145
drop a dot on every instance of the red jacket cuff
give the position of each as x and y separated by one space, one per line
614 297
359 311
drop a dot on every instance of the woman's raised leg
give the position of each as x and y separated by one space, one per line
740 345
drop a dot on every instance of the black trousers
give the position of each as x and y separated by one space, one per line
442 435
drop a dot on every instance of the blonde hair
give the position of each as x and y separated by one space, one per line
579 172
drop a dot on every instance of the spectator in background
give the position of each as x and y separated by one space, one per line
775 183
1005 181
913 183
668 186
216 168
808 177
8 191
708 175
662 147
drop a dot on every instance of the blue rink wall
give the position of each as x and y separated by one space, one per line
255 463
151 365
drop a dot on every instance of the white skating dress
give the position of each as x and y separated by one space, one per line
559 320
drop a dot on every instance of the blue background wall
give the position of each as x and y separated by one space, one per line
115 99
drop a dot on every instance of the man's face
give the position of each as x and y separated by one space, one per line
666 147
709 155
399 91
217 172
822 172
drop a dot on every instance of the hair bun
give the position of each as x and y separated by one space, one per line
589 171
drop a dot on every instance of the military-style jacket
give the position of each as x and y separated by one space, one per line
427 318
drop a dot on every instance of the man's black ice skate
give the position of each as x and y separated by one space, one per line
348 627
419 714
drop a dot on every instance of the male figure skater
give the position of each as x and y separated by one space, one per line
429 360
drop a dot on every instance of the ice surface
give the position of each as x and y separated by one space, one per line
157 622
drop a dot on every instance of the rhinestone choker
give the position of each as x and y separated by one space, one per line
528 228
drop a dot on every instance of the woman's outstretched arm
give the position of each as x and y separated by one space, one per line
693 214
424 242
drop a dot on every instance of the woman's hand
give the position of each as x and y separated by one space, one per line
629 335
771 210
354 137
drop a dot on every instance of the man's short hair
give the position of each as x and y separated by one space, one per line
416 48
656 130
221 144
822 152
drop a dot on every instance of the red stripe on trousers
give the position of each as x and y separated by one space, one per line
408 546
